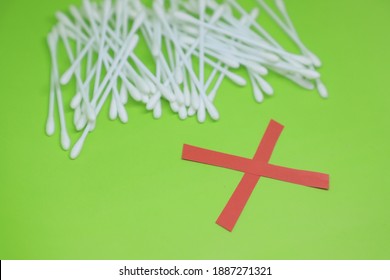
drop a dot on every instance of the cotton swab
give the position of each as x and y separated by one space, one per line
293 33
50 125
106 68
52 41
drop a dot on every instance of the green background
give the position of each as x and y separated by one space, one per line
130 196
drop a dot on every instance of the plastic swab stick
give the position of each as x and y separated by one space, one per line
52 41
50 125
259 97
282 8
291 34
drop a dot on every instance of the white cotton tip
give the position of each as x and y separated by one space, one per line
158 8
74 11
189 6
132 13
135 94
50 126
65 140
87 5
301 59
187 40
201 114
265 86
152 103
90 114
270 57
190 30
137 5
76 101
138 21
113 114
65 78
299 80
96 13
230 61
152 86
316 61
145 99
142 85
191 112
76 150
179 96
281 6
212 4
212 110
236 79
133 91
122 113
157 112
63 19
218 13
166 93
258 68
81 123
254 13
92 126
175 107
322 90
183 113
52 40
308 73
259 97
195 100
183 16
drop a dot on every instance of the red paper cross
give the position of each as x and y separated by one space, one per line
253 169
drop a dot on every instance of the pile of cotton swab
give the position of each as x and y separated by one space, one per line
100 41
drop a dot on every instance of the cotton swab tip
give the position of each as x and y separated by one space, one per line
50 126
76 100
322 90
65 78
183 16
316 61
281 5
65 140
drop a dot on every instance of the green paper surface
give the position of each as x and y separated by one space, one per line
130 196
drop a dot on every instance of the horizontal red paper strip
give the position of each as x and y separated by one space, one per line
296 176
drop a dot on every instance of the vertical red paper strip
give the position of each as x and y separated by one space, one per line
233 209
